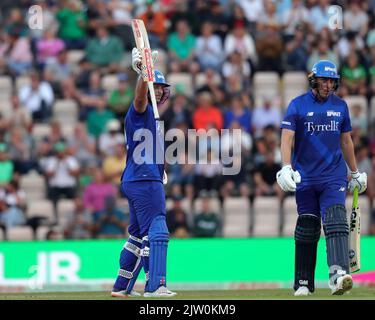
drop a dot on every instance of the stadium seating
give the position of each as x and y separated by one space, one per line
40 208
266 83
65 110
109 82
40 130
200 79
64 208
21 81
34 186
357 100
294 84
183 79
22 233
74 56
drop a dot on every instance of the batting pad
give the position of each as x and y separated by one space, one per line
130 265
336 230
158 237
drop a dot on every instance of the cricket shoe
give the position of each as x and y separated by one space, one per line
302 291
343 284
124 294
161 292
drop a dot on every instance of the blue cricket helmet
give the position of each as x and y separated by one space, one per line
160 79
323 69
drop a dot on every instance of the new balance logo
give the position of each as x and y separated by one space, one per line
333 114
342 189
310 114
303 282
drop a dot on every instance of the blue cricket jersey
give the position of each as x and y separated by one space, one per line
145 146
318 126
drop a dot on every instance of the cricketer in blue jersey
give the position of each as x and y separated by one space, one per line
317 127
142 184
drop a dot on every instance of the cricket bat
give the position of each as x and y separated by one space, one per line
355 235
143 45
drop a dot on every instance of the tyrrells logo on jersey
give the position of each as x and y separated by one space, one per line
311 127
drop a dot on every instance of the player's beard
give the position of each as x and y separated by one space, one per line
323 92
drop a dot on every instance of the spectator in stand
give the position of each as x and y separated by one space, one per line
209 49
120 99
62 171
96 191
113 166
297 51
207 223
214 85
79 222
37 97
320 16
351 42
156 25
237 112
355 18
206 115
177 220
111 222
239 40
20 117
265 115
296 18
82 146
181 177
269 17
236 72
110 138
178 110
72 24
60 74
208 173
21 146
270 49
322 51
15 24
48 48
105 51
19 57
237 17
6 165
181 49
353 77
98 119
91 97
10 217
358 118
253 9
14 196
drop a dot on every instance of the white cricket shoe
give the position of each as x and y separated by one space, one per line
124 294
343 284
302 291
161 292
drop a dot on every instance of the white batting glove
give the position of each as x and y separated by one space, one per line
287 178
165 178
137 59
358 180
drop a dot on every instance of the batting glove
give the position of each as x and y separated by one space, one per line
165 178
358 180
137 59
287 178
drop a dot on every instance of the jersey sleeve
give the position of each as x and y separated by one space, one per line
346 123
290 117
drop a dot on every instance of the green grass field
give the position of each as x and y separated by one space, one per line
264 294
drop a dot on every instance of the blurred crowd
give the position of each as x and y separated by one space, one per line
220 45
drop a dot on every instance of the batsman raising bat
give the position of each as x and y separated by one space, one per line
317 126
142 184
